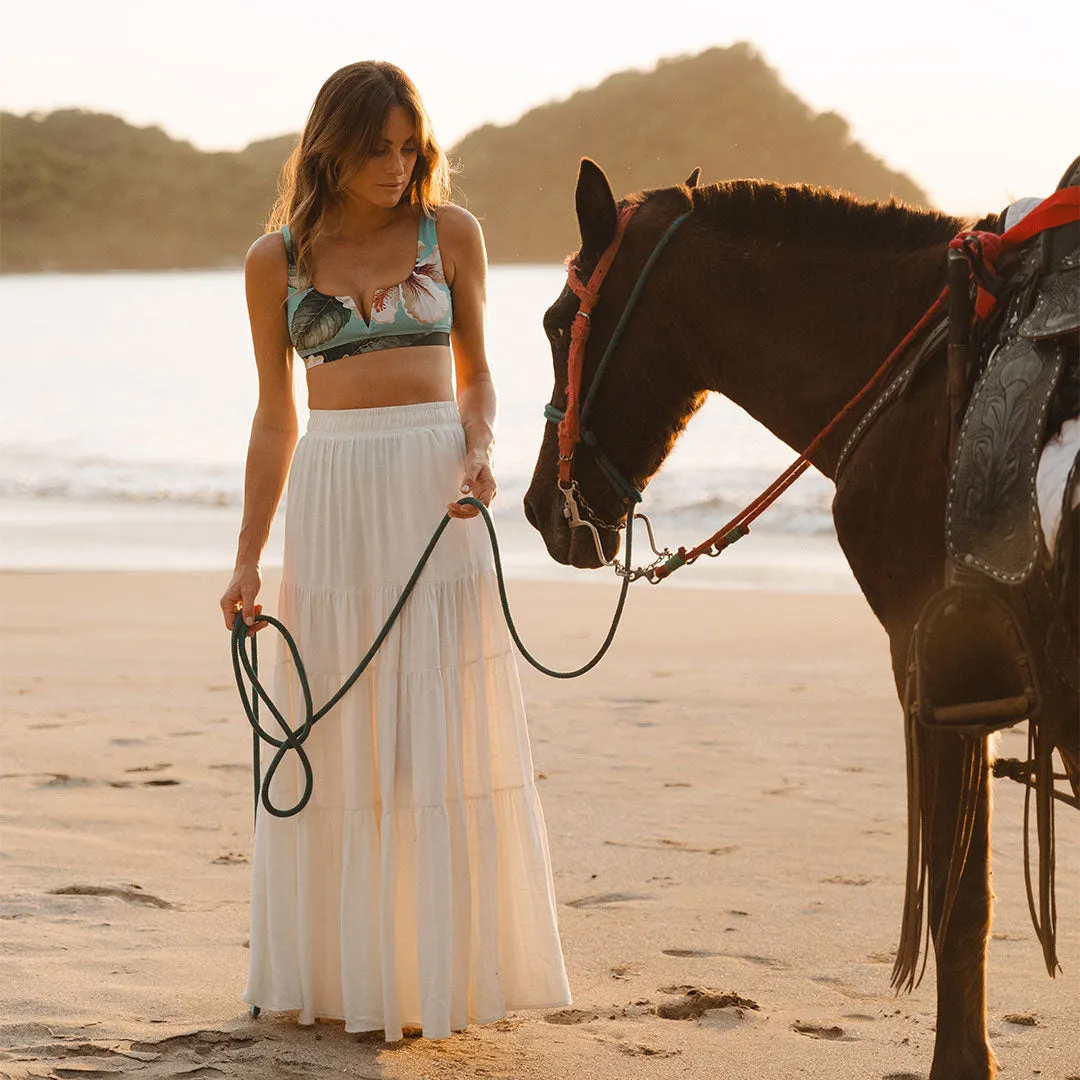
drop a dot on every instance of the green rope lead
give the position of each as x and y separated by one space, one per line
294 738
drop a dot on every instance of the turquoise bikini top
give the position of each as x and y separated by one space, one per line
416 311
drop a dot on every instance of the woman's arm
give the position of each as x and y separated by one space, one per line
274 428
465 265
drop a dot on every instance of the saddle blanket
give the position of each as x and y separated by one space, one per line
1055 464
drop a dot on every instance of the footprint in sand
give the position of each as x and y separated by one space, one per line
603 899
143 783
1021 1019
230 858
60 780
787 786
570 1016
698 1000
132 894
821 1031
644 1050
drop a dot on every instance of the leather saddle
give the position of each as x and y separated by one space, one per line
992 521
972 666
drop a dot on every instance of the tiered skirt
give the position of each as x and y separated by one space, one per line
415 887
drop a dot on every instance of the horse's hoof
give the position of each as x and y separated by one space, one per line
254 1011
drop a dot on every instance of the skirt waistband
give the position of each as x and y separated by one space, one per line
384 419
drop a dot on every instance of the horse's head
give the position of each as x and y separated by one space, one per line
647 391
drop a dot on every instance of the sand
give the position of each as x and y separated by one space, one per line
725 804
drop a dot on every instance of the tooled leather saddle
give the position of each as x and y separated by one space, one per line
974 668
993 518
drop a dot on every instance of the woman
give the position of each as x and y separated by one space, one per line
415 887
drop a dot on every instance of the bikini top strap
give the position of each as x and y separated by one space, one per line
428 236
291 273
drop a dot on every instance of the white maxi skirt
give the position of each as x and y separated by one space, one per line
415 887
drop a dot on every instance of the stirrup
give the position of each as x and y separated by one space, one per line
972 666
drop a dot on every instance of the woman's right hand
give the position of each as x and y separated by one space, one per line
240 596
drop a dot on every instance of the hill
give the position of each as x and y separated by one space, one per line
724 109
88 191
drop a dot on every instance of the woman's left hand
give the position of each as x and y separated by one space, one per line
478 481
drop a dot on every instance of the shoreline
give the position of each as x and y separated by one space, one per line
81 536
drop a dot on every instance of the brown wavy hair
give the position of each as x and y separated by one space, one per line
342 130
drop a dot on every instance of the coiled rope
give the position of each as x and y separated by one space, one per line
245 659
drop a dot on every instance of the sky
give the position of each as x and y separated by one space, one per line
978 102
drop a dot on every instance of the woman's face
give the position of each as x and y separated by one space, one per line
383 177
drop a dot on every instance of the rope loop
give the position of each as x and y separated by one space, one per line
245 663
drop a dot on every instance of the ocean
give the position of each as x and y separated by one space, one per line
125 408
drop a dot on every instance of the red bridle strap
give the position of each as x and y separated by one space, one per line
588 293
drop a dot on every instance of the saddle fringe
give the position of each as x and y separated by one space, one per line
1040 753
922 776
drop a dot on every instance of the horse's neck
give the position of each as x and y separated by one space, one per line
797 331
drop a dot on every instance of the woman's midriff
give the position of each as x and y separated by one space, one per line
387 377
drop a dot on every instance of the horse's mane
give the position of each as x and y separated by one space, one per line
818 215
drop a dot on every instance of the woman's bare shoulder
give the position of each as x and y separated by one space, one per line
266 267
462 242
267 254
456 223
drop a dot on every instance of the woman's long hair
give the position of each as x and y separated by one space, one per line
342 130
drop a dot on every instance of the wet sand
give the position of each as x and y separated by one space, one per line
725 805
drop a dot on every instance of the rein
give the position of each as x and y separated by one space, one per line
981 249
245 661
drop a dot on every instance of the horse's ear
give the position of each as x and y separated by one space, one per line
596 211
692 179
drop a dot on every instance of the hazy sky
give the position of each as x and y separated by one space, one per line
978 102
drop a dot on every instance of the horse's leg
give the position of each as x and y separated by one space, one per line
961 1049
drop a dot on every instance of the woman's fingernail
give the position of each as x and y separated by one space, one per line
249 620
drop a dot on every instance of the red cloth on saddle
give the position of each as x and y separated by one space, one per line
1061 208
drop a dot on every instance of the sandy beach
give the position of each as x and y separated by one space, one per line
725 803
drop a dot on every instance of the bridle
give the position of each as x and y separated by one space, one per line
572 429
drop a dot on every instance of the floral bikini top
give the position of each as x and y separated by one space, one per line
416 311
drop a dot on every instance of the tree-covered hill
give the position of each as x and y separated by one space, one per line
87 191
724 109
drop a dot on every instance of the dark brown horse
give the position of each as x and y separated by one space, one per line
786 300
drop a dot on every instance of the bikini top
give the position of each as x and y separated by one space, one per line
416 311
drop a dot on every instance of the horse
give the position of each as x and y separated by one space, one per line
786 299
